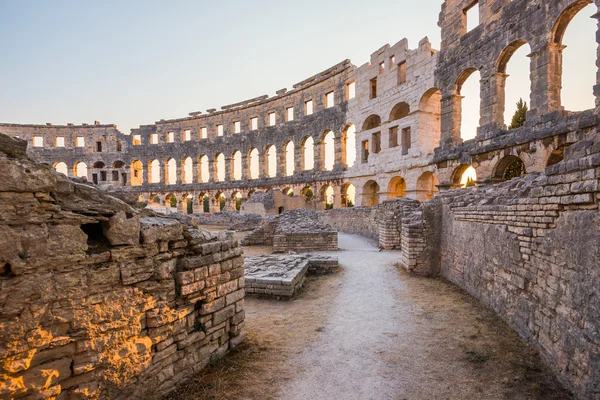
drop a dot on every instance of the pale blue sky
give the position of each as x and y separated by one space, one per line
135 62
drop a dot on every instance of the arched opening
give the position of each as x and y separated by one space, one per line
203 170
188 171
99 165
220 166
237 198
280 210
62 168
251 193
307 193
171 202
348 195
137 173
327 196
154 171
118 164
80 169
271 161
514 64
577 32
328 150
429 116
288 191
187 203
469 88
350 141
426 186
396 188
400 110
372 122
253 158
289 158
308 153
464 176
220 198
370 194
171 172
508 168
237 165
205 203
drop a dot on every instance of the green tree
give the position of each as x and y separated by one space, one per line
238 204
206 204
514 170
221 204
518 120
308 194
173 201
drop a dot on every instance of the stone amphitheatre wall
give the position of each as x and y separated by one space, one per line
98 300
529 249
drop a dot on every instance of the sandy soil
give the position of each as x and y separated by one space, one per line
373 332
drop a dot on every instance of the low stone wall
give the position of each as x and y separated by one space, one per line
282 276
360 220
101 301
529 249
305 241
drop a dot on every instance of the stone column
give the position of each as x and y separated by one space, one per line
546 81
340 152
179 172
228 205
496 102
245 167
451 120
195 174
212 170
337 197
197 204
298 159
213 206
229 169
181 208
281 162
262 165
319 155
163 174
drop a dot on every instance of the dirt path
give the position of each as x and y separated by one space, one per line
373 332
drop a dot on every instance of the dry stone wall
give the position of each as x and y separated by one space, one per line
528 248
98 300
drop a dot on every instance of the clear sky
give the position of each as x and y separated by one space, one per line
135 62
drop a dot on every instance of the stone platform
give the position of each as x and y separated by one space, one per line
282 276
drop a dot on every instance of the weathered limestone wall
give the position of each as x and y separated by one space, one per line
361 220
529 248
98 300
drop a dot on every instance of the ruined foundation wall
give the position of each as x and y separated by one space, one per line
361 220
528 248
98 300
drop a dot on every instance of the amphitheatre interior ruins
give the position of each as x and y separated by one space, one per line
113 287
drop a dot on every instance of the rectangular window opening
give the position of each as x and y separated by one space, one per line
38 141
203 133
289 114
115 176
170 137
237 127
154 138
80 141
272 119
402 73
308 107
187 135
103 176
393 137
350 90
471 17
329 100
382 67
406 141
98 147
219 130
60 141
365 151
373 91
253 123
376 138
119 146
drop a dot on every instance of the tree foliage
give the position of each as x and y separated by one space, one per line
518 120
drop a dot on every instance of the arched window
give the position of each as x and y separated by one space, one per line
327 196
188 171
372 122
427 186
289 158
400 110
429 116
577 31
464 176
348 195
370 194
308 153
154 171
62 168
254 172
203 170
350 138
328 152
99 165
396 188
508 168
237 165
220 166
237 198
80 169
271 161
137 173
468 86
171 172
515 63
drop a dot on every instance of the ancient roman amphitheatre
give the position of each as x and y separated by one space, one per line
345 238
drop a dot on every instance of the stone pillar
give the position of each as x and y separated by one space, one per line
340 152
163 174
281 163
229 169
337 197
245 167
451 119
298 159
262 165
181 207
228 205
495 104
179 172
212 170
546 81
213 205
195 174
319 156
197 205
